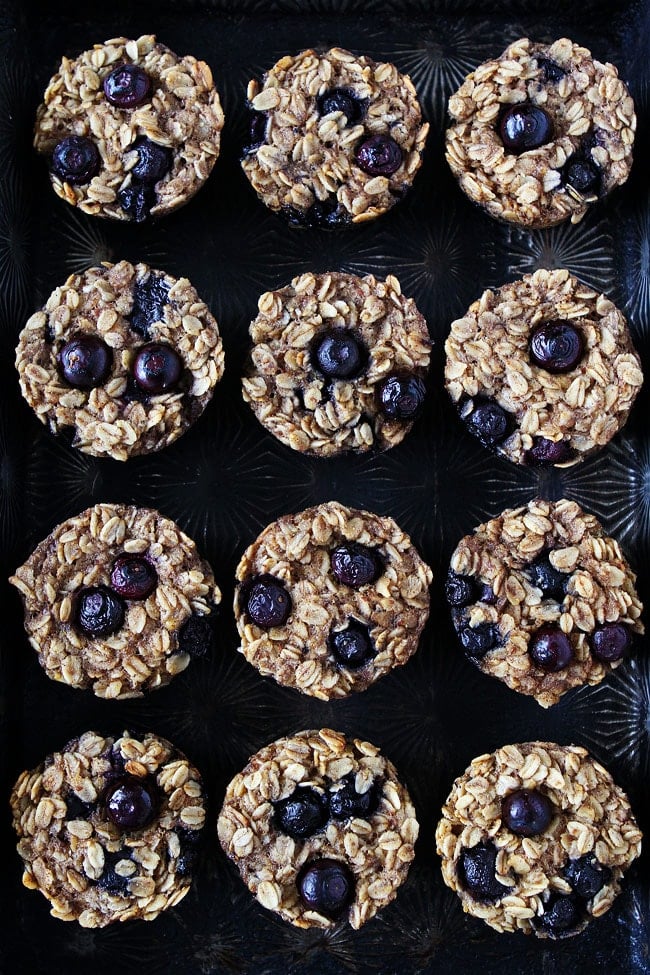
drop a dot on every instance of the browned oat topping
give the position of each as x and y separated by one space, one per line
593 117
183 113
600 588
145 652
591 817
91 870
107 419
378 850
488 356
307 157
293 400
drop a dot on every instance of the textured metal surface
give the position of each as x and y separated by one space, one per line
227 478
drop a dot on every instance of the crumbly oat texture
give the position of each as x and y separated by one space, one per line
598 583
591 816
487 357
115 418
91 870
308 158
593 118
303 408
182 113
296 550
151 646
378 849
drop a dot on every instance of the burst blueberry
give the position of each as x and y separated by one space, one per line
346 803
338 354
402 397
98 611
127 86
75 160
582 174
460 590
489 422
551 70
157 368
133 576
556 346
85 361
561 914
267 602
342 100
149 299
111 881
525 126
302 814
353 646
545 452
379 156
526 812
546 577
131 802
137 200
550 649
196 635
480 639
477 873
326 886
154 161
587 876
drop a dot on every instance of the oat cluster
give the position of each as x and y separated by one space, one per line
589 100
378 850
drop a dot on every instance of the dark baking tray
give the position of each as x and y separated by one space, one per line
227 478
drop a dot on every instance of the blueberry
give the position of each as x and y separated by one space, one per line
186 863
582 174
130 802
489 422
196 635
544 576
525 126
153 163
266 601
526 812
479 640
76 808
338 353
550 649
75 160
110 881
379 156
256 131
345 802
85 361
326 886
587 876
460 590
356 565
302 814
157 368
561 914
477 873
137 200
556 346
342 100
127 86
323 215
550 69
99 611
133 576
352 647
149 299
610 642
402 397
545 452
189 851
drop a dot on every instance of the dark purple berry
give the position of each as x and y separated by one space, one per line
137 200
561 914
352 647
544 576
550 649
525 126
76 808
326 886
550 69
489 422
189 842
460 590
130 802
196 635
75 160
338 353
486 594
267 602
153 163
85 361
587 876
356 565
346 803
402 397
149 299
582 174
133 577
610 642
556 346
479 640
477 873
379 156
544 452
99 611
342 100
323 215
256 131
127 86
110 881
157 368
526 812
302 814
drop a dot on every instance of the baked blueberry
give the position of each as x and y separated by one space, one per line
338 353
526 812
479 640
302 814
85 361
127 86
137 200
561 913
346 803
356 565
75 160
489 422
154 161
342 100
587 876
326 886
544 576
550 69
610 642
189 843
545 452
582 174
460 590
556 346
550 649
99 611
110 881
133 576
477 873
130 802
525 126
402 397
157 368
379 156
76 808
352 647
257 123
267 602
149 299
196 635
